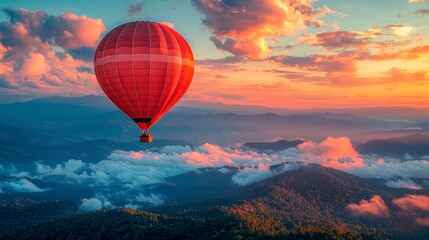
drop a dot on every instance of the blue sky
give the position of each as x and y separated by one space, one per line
306 53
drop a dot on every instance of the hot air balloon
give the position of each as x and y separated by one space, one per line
144 68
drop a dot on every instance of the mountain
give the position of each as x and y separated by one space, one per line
382 113
354 118
88 151
192 224
229 128
274 146
52 122
416 146
91 101
16 212
76 119
310 201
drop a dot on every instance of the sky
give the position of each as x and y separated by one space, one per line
276 53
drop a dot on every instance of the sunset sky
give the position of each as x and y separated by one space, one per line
277 53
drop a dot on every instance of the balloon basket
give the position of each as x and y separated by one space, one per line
146 137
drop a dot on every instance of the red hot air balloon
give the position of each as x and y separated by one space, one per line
144 68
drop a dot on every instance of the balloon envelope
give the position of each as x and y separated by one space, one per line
144 68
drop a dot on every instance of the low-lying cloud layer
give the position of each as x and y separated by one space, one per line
130 171
21 185
372 207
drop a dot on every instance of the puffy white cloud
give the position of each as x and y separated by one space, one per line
252 174
42 54
332 152
249 175
389 168
91 204
135 169
125 174
22 185
70 169
152 199
244 27
400 29
403 183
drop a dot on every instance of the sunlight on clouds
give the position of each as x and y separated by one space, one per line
372 207
136 169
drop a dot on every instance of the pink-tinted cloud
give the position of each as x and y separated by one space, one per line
341 62
242 27
413 203
423 221
372 207
332 152
406 54
423 11
337 40
37 53
67 30
414 206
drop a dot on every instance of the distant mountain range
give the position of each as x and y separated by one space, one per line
310 201
407 147
413 146
274 146
89 127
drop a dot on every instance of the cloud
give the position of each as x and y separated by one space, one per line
389 168
249 175
85 69
67 30
22 185
372 207
339 39
134 9
414 1
91 204
333 152
70 169
168 24
243 27
423 11
341 62
400 29
413 203
152 199
40 53
414 206
339 65
223 170
127 174
401 183
252 174
135 169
